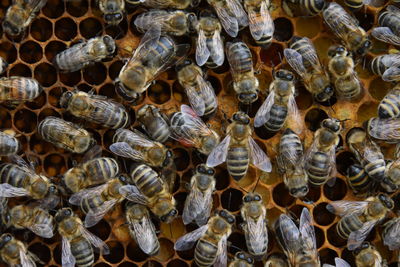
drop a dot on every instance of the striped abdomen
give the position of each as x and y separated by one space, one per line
312 7
303 47
42 217
237 161
101 169
290 144
9 145
160 53
354 4
210 104
147 180
318 168
387 19
348 224
377 67
205 253
375 168
82 251
13 175
157 128
19 89
210 62
108 114
257 249
358 179
389 107
74 58
239 52
277 118
92 202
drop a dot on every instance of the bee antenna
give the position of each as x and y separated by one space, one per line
258 180
235 247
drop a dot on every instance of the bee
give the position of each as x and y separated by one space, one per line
15 253
20 15
154 55
15 90
389 30
3 65
359 180
154 123
254 225
389 107
93 170
76 241
85 53
95 108
200 92
238 149
338 263
231 15
387 130
213 237
176 23
245 83
347 29
260 21
276 260
343 75
289 158
190 130
141 228
65 135
9 144
303 58
298 243
391 234
303 8
320 158
280 104
165 4
113 11
199 202
360 217
367 256
387 66
242 259
209 45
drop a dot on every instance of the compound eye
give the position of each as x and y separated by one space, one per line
173 212
250 260
257 197
365 245
293 191
241 256
118 16
210 172
230 220
222 213
280 74
325 124
122 178
163 218
289 77
236 115
67 212
247 198
52 189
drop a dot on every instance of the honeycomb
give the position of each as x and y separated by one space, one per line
62 23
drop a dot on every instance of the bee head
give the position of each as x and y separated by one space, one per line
11 29
364 245
248 89
66 98
252 197
337 50
192 20
364 48
123 179
62 214
109 41
204 169
284 75
227 216
4 239
386 201
241 117
244 256
170 215
325 94
185 63
332 125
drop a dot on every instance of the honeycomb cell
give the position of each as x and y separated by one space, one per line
45 74
179 93
231 199
152 263
8 52
95 74
20 70
38 103
327 255
65 29
118 32
71 78
216 84
314 117
366 20
41 29
304 98
238 242
159 93
308 26
281 195
54 96
343 161
337 191
102 264
134 252
77 8
116 252
283 29
53 48
48 112
319 236
313 195
272 56
90 28
222 178
322 45
177 263
102 230
166 250
57 254
114 69
30 52
41 250
348 256
181 158
25 120
379 88
366 111
54 164
53 8
334 238
321 215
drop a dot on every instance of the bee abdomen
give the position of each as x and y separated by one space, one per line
376 169
358 178
347 225
354 4
277 118
377 67
89 204
8 145
241 53
318 168
313 7
159 130
237 162
161 52
102 168
147 180
83 252
388 20
257 250
389 107
205 253
291 142
13 175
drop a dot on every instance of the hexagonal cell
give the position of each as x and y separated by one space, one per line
8 52
45 74
322 45
166 250
41 29
343 161
314 117
90 28
181 158
281 195
273 55
337 191
102 230
77 8
116 252
222 178
366 20
238 242
30 52
95 74
114 69
20 70
41 250
231 199
283 29
53 8
327 255
177 263
159 93
102 264
127 264
366 111
53 48
118 32
308 26
135 253
38 102
321 215
65 29
319 236
152 263
379 88
25 120
5 122
54 164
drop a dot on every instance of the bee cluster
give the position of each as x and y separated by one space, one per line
214 132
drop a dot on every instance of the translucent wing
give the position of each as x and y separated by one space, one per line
26 260
137 138
187 241
133 194
77 198
95 215
341 263
340 20
145 235
228 22
197 205
67 259
290 238
386 35
344 207
392 74
95 241
94 152
295 60
256 230
217 49
196 101
237 10
219 153
123 149
393 9
263 113
389 132
7 190
390 59
392 236
202 52
306 229
258 156
222 253
147 19
357 237
294 118
311 54
266 23
332 162
18 160
43 230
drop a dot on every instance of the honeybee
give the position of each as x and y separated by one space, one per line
154 55
151 190
141 228
289 158
190 130
359 180
93 170
360 217
154 123
254 225
9 144
212 245
85 53
391 182
343 74
391 233
209 45
198 203
245 83
387 66
280 104
76 241
303 8
163 4
95 108
367 256
200 92
276 260
113 11
242 259
20 15
65 135
231 15
389 30
387 130
303 58
15 253
389 107
261 24
320 158
3 65
15 90
238 148
338 263
175 22
347 29
298 243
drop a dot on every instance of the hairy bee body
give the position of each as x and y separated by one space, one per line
15 253
302 8
391 181
15 90
390 233
65 135
349 224
390 19
367 255
358 179
384 129
113 11
9 144
276 260
155 123
260 21
83 54
242 259
389 107
164 4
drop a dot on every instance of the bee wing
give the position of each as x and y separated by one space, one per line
342 20
133 194
311 54
95 215
393 9
390 131
122 149
228 22
7 190
168 173
258 156
386 35
18 160
43 230
32 5
307 231
202 52
295 60
256 228
332 162
294 119
222 253
187 241
290 239
204 215
26 259
94 152
341 263
196 101
67 259
392 74
217 49
262 115
49 202
236 8
390 59
196 205
392 236
147 19
357 237
77 198
95 241
219 153
344 207
266 23
148 41
145 234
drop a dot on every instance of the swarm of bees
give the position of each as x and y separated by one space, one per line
137 174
